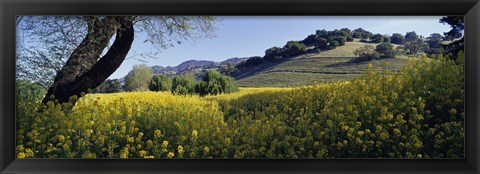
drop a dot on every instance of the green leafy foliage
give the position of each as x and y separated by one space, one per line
435 44
160 82
310 39
252 61
385 50
387 39
457 24
360 33
273 53
29 91
397 38
327 40
139 78
411 36
377 38
183 85
293 48
214 83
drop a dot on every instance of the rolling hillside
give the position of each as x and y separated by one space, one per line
337 64
332 65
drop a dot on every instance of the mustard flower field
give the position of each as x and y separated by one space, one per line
417 112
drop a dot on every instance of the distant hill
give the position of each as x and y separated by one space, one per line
196 68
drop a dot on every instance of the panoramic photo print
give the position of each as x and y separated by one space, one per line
242 87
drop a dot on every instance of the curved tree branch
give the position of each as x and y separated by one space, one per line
83 71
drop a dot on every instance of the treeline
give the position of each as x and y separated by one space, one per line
323 40
410 44
212 83
141 78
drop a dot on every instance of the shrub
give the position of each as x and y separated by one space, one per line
400 50
29 91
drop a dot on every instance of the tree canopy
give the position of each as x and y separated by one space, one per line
377 38
139 78
385 50
183 85
397 38
214 83
457 24
411 36
160 82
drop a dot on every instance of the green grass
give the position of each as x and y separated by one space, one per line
346 50
326 66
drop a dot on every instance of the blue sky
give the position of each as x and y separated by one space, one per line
244 36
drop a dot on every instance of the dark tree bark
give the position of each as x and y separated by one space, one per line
84 70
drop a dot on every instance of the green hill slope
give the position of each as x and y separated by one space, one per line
332 65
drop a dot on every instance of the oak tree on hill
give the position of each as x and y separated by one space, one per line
385 50
397 38
377 38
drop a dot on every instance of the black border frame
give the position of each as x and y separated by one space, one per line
10 8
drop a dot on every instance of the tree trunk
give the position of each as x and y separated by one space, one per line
84 70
